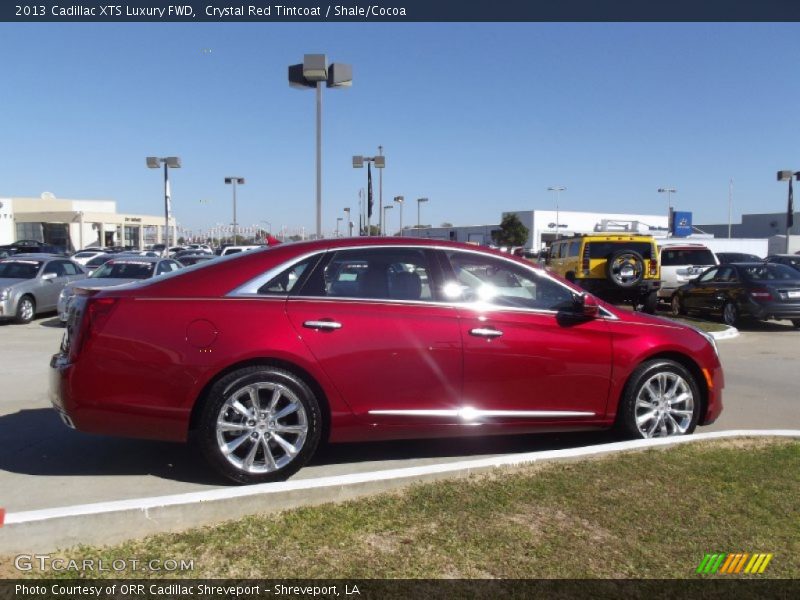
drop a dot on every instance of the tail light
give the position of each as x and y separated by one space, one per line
95 316
652 267
761 294
585 260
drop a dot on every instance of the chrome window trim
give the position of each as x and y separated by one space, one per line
250 288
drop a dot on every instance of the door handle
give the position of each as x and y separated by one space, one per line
330 325
486 332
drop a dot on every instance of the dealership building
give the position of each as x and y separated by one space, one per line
76 224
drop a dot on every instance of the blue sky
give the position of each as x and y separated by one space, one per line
480 118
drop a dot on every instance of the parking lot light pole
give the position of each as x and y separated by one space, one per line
668 192
786 175
385 208
557 189
235 181
419 202
338 220
400 200
169 162
349 222
379 162
312 72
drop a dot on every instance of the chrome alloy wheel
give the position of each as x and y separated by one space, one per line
261 427
664 406
25 310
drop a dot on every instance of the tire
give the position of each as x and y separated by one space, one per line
258 444
649 406
730 314
676 306
26 310
796 323
625 269
648 303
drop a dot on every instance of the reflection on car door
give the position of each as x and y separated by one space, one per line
370 318
522 359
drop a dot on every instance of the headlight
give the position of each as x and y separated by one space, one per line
4 294
65 294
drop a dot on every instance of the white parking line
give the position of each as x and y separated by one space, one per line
146 504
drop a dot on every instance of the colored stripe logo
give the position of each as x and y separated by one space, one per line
734 564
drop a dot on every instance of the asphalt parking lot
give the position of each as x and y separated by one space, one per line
45 465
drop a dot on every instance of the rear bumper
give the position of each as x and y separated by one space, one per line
773 310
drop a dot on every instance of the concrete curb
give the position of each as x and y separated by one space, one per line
113 522
726 334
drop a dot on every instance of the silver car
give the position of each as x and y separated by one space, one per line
118 270
31 283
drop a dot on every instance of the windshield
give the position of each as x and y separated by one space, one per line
20 269
125 270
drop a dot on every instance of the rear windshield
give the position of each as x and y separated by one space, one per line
770 272
98 260
606 249
686 256
125 270
20 269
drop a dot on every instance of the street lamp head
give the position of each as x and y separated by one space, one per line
785 175
340 75
556 189
379 162
422 199
399 199
173 162
388 207
239 180
153 162
670 190
358 162
315 67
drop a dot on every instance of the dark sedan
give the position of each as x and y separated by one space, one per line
790 260
736 290
736 257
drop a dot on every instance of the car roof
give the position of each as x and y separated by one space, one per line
116 258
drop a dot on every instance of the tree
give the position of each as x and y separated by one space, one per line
511 233
446 224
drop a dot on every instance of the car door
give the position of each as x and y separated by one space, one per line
371 318
528 357
697 295
50 287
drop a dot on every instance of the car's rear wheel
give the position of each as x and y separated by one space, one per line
259 424
648 303
676 306
796 323
26 310
661 399
625 268
730 314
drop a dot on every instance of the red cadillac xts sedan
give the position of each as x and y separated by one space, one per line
259 356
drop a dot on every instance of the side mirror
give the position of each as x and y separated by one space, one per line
586 305
48 276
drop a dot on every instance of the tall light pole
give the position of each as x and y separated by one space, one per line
419 202
668 192
786 175
400 200
349 222
557 189
169 162
379 162
235 181
312 72
338 219
385 208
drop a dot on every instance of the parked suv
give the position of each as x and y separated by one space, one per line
617 267
680 263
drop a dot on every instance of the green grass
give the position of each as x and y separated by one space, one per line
700 324
651 514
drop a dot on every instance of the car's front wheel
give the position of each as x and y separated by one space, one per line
661 399
259 424
796 323
26 310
